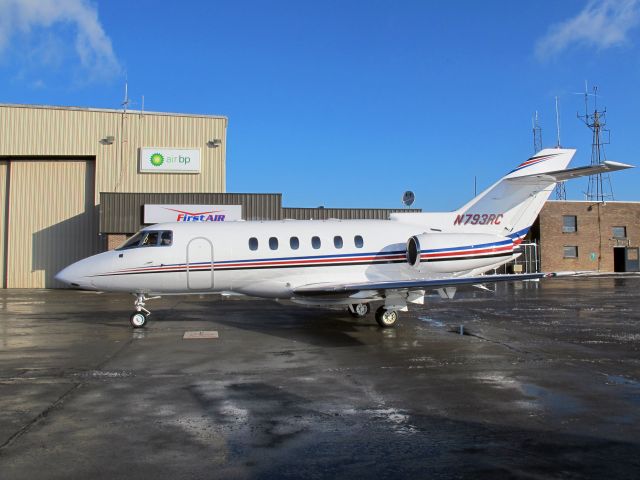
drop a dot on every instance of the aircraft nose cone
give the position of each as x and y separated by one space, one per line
66 276
74 276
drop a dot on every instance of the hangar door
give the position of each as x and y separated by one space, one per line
4 183
50 219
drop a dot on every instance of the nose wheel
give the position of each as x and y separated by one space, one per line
138 319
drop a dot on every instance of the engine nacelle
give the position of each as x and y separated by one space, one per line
452 252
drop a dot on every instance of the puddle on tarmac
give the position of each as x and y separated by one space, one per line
432 321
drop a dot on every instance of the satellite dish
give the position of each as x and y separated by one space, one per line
408 198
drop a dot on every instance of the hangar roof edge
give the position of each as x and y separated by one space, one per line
110 110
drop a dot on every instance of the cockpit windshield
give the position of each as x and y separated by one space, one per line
148 238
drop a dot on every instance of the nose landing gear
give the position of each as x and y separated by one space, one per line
138 318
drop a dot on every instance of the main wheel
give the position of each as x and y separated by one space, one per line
359 310
138 319
386 318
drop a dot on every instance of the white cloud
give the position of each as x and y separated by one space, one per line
601 24
23 22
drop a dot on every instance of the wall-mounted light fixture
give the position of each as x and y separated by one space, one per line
214 143
108 140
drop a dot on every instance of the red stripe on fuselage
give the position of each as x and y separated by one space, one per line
466 252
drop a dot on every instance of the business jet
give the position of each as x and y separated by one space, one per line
350 263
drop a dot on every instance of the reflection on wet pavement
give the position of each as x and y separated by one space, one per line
546 384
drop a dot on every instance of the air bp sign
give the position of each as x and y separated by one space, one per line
169 160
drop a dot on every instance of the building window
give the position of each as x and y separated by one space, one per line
337 241
273 243
315 242
253 243
294 243
357 240
570 251
569 224
619 232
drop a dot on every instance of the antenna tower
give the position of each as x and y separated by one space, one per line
599 189
560 191
537 134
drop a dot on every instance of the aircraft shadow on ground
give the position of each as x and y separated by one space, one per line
314 326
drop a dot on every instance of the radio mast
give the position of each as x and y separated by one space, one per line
537 134
599 188
560 190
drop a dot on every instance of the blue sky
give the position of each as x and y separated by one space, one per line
346 103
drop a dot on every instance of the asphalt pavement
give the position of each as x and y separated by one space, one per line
544 383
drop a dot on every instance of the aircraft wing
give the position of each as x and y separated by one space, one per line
568 174
352 288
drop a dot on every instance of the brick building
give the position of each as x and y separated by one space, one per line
586 235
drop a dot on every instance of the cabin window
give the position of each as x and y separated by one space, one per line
294 243
253 243
337 241
273 243
358 241
315 242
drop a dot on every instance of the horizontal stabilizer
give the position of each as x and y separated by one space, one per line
568 174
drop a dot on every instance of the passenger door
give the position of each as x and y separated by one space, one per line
200 264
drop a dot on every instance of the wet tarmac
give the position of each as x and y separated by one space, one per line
545 383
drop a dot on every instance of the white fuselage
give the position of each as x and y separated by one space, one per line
223 257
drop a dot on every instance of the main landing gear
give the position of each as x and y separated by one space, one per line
138 318
359 310
385 318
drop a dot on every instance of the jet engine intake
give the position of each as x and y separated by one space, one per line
446 252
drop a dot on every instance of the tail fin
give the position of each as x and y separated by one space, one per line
511 205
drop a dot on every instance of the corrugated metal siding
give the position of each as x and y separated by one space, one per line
342 213
123 212
31 131
4 179
53 220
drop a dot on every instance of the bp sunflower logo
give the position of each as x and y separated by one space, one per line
156 159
